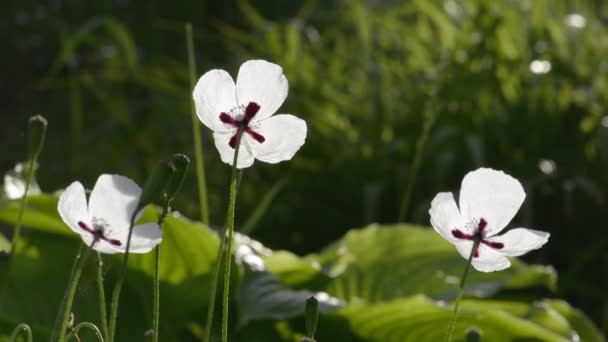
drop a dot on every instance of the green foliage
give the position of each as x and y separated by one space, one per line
404 302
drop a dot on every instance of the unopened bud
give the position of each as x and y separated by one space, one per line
180 163
473 335
156 184
36 135
312 316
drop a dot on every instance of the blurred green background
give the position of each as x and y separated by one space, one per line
402 98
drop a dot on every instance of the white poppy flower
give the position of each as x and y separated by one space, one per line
226 107
489 199
107 217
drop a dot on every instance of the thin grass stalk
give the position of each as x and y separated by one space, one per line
199 159
156 313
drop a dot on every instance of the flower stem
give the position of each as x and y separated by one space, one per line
156 314
30 176
88 325
119 281
196 132
72 286
460 289
102 298
223 255
22 327
230 227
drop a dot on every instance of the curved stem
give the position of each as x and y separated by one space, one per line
73 285
230 227
102 297
460 289
199 159
22 327
85 325
19 223
156 313
118 286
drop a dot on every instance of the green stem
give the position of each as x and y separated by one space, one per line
72 286
102 297
460 290
213 290
88 325
156 314
222 254
196 132
28 182
22 327
230 227
119 282
429 121
75 120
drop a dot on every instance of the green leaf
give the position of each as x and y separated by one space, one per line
384 263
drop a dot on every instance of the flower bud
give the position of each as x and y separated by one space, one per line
473 335
180 163
155 186
36 135
312 316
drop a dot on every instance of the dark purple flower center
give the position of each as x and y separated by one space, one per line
98 233
477 236
242 123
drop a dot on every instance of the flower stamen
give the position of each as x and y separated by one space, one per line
98 233
477 236
240 117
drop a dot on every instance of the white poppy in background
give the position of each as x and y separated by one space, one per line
489 199
226 107
107 217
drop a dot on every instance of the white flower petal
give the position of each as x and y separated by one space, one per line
100 246
488 260
113 200
520 241
72 207
261 82
445 216
222 140
213 94
145 237
284 134
491 195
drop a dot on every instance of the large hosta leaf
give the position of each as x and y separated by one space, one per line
383 263
420 319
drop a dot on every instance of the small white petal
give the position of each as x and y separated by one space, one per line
114 199
222 140
261 82
145 237
488 260
284 134
491 195
72 207
213 94
520 241
445 216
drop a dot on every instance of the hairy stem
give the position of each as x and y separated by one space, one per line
119 282
230 227
460 289
156 314
72 286
28 182
102 298
22 327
